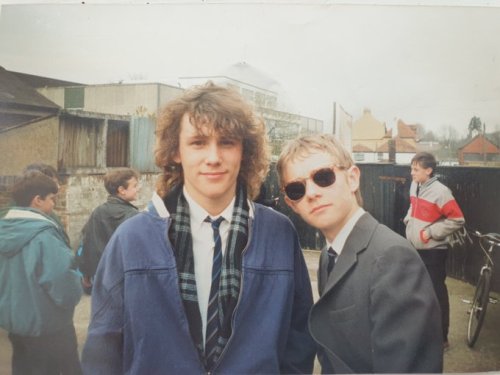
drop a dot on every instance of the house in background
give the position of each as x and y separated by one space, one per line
404 145
373 143
368 135
479 151
396 150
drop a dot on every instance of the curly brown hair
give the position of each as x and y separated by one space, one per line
229 115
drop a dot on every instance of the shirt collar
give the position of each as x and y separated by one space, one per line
338 243
198 214
159 206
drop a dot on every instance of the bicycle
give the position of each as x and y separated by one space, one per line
481 298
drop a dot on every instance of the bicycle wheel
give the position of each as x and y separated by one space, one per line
478 308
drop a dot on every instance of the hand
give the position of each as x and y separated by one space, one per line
425 236
86 283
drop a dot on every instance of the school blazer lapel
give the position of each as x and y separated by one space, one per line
357 242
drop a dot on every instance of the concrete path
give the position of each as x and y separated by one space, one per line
458 359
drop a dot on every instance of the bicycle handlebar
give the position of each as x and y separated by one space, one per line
492 238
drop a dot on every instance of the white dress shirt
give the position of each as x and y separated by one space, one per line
338 243
203 249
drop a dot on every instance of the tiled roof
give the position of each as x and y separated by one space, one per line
361 148
406 131
480 144
402 146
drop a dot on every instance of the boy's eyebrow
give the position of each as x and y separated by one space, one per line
197 136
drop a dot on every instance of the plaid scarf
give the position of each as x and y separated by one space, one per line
230 278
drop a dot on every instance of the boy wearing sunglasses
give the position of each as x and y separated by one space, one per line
374 314
204 281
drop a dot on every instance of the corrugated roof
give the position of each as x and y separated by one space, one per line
13 91
38 81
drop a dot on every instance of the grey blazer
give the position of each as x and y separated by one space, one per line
377 311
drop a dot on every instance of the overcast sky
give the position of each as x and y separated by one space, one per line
434 65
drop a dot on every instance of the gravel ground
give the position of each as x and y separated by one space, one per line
459 358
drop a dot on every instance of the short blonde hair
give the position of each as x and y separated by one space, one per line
306 144
228 114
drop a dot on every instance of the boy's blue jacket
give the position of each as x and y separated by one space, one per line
38 288
138 324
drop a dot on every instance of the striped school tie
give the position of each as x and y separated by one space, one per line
212 333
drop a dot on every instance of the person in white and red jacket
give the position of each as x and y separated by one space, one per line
433 215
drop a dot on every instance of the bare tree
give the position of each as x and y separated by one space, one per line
449 140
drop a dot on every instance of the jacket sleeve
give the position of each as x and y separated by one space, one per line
406 219
57 276
103 350
452 217
300 347
404 312
90 247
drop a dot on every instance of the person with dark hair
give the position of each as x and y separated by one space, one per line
205 280
433 215
39 288
375 313
51 172
122 186
46 169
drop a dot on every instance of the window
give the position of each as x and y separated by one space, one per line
117 144
359 156
74 97
80 137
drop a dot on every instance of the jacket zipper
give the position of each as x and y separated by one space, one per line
250 225
169 223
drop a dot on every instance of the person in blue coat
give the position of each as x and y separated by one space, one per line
205 280
39 288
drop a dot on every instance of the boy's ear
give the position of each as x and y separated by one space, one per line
353 175
36 201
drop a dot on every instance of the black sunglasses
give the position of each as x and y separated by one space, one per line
322 177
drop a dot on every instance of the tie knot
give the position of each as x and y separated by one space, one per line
332 253
215 223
